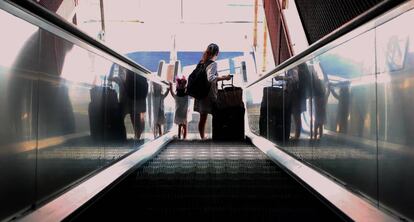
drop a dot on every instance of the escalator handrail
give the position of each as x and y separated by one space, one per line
54 19
334 35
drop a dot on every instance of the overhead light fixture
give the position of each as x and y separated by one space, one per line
132 21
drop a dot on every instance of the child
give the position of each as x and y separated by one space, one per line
181 106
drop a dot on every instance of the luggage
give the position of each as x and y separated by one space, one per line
275 113
198 85
105 115
228 123
228 114
230 96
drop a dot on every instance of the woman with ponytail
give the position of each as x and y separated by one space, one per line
205 106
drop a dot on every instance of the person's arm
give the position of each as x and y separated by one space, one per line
226 77
332 90
111 77
213 74
166 92
171 90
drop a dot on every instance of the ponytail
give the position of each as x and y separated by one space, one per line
211 51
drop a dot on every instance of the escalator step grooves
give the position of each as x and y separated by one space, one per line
209 181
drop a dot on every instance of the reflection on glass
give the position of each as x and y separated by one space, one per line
395 81
343 62
18 114
319 98
282 101
134 103
344 106
274 111
105 113
159 114
327 105
394 50
117 78
63 125
339 100
63 113
298 82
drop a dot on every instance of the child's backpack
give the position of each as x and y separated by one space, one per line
181 86
198 85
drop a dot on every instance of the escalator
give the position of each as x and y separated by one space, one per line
56 172
208 181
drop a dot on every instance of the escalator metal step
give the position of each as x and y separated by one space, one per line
209 181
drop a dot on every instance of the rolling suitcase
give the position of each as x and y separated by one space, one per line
275 114
228 114
105 115
228 123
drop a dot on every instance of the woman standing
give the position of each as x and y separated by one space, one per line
205 106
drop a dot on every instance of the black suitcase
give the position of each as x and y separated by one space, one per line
228 114
228 123
275 114
105 115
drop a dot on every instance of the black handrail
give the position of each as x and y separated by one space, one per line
344 29
43 13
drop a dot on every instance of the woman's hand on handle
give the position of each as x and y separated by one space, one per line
226 77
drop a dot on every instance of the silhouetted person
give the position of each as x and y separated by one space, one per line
159 114
320 100
299 80
134 103
343 97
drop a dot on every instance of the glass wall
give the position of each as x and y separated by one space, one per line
66 112
395 91
346 110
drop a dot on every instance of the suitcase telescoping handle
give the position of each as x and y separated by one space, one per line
229 84
274 83
107 82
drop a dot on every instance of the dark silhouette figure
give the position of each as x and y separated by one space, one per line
320 100
159 114
136 88
299 80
